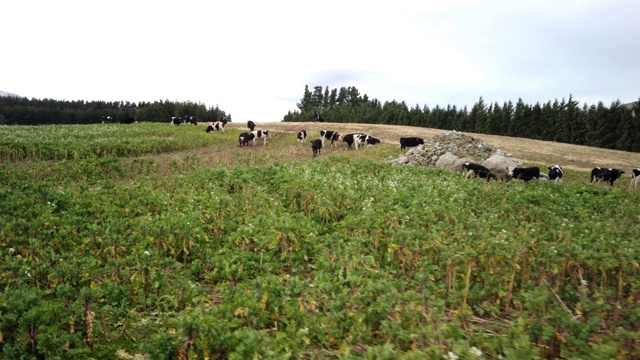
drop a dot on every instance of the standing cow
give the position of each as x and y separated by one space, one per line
609 175
350 139
260 134
316 145
364 140
329 135
191 120
406 142
635 178
302 136
525 174
215 126
244 139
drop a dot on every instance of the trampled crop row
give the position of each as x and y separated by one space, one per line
323 259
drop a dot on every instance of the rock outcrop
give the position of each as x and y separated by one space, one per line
451 149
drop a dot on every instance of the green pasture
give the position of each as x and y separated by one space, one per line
180 244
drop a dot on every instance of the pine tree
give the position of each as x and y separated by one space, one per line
477 118
332 98
305 103
342 96
317 97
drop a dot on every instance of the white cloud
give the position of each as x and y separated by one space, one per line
253 58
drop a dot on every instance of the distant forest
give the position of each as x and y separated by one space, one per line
611 127
23 111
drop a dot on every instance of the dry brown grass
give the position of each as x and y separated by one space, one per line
534 152
283 148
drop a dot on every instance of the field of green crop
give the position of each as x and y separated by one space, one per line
109 250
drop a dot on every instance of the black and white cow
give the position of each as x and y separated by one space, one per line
477 170
106 119
329 135
251 125
364 140
191 120
349 139
406 142
555 173
318 118
175 120
316 145
244 139
526 174
216 126
302 136
370 140
635 176
609 175
260 134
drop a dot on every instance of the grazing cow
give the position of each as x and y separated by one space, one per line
329 135
318 118
555 173
251 125
244 139
302 136
106 119
370 140
176 120
127 120
406 142
525 174
364 140
635 175
316 145
478 171
218 125
260 134
610 175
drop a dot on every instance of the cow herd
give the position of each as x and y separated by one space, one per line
177 120
608 175
357 140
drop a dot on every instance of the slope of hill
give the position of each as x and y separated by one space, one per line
534 152
6 94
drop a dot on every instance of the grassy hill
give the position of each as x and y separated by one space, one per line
167 242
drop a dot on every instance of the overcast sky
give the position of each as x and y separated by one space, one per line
253 58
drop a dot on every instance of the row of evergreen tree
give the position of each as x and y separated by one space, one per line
24 111
611 127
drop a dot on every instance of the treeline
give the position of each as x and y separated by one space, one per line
611 127
24 111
